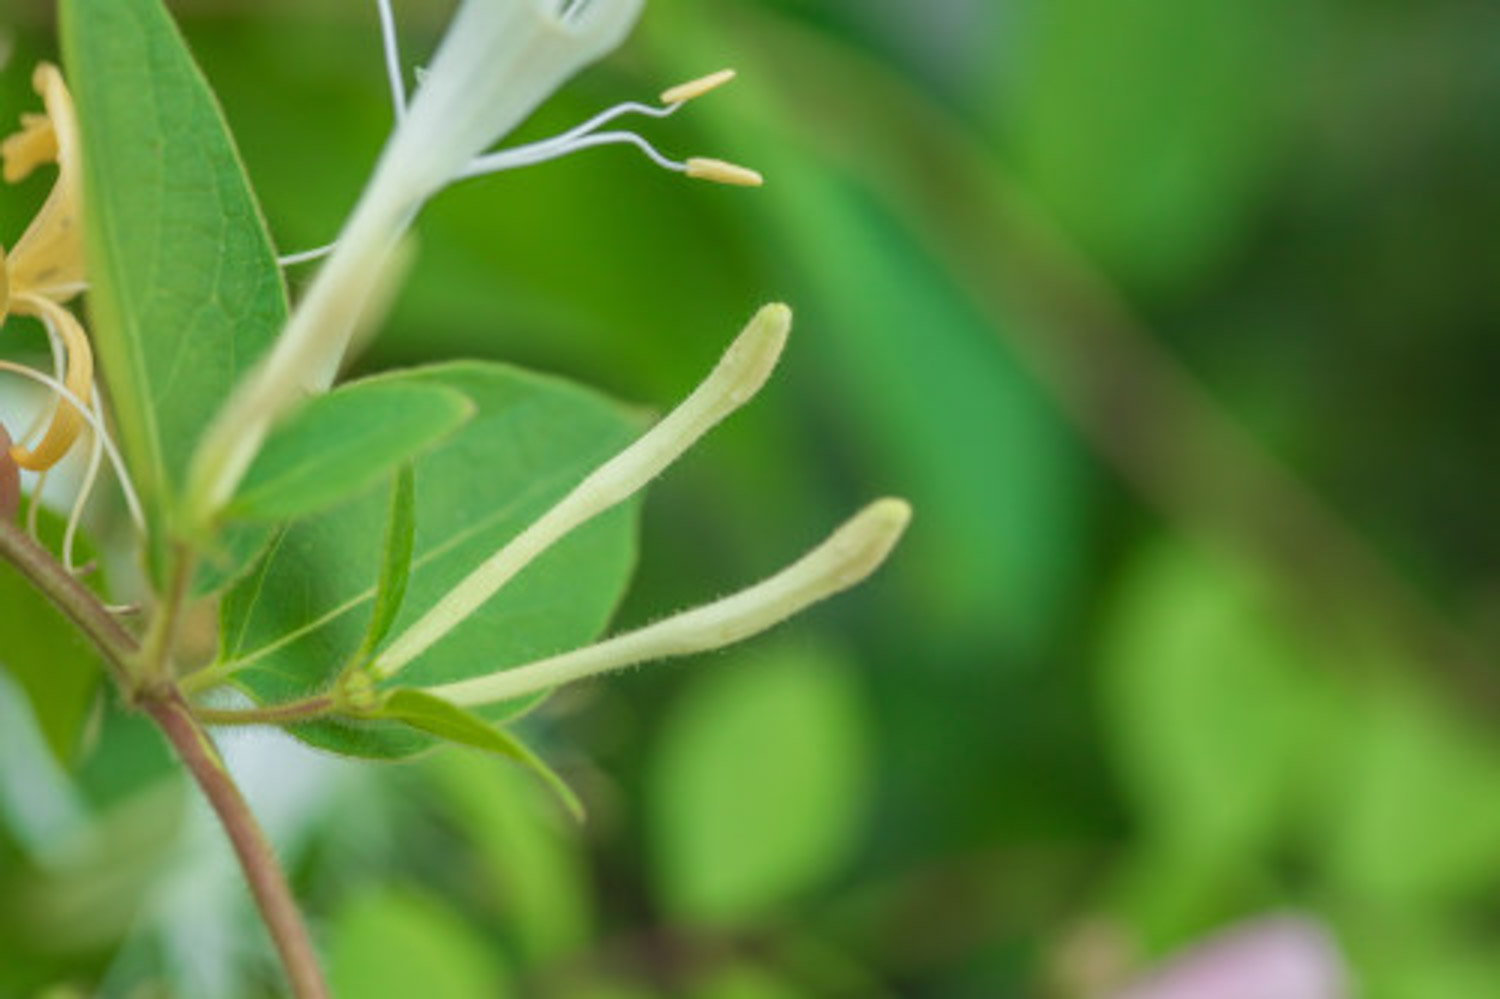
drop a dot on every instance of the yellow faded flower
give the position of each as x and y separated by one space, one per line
45 267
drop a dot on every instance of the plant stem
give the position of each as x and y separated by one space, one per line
155 666
51 578
267 882
274 714
161 699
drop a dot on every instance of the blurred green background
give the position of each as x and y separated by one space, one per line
1176 322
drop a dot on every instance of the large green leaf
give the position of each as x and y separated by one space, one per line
185 292
294 621
758 784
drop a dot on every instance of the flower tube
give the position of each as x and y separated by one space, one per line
497 62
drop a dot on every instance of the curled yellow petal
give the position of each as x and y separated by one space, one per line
48 258
33 146
67 422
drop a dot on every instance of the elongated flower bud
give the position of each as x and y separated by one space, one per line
849 555
736 379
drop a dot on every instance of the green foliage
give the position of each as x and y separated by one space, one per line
446 720
529 861
41 648
1086 729
342 442
291 624
185 292
1218 716
1148 130
395 564
390 943
1411 816
759 784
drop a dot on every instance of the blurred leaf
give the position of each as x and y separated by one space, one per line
452 723
1422 958
185 292
536 870
1146 128
56 667
342 442
299 616
745 981
1411 818
395 943
1215 710
758 783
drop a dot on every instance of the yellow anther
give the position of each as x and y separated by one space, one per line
694 89
721 172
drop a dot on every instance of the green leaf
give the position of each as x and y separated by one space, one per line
185 292
395 943
395 565
535 867
1149 130
1214 708
759 783
290 624
56 667
448 721
1410 818
340 443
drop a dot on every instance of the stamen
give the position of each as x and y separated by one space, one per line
67 420
741 372
34 509
85 489
722 172
391 45
693 89
587 136
96 423
306 256
849 555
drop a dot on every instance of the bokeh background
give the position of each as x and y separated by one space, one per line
1179 325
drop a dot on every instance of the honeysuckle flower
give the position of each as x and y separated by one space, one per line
44 269
848 556
498 60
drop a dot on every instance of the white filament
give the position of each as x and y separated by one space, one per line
96 423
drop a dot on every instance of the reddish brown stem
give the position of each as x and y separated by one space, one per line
268 884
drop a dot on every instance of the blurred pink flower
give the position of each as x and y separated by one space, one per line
1277 957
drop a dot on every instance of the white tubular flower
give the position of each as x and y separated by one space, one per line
736 379
849 555
497 62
